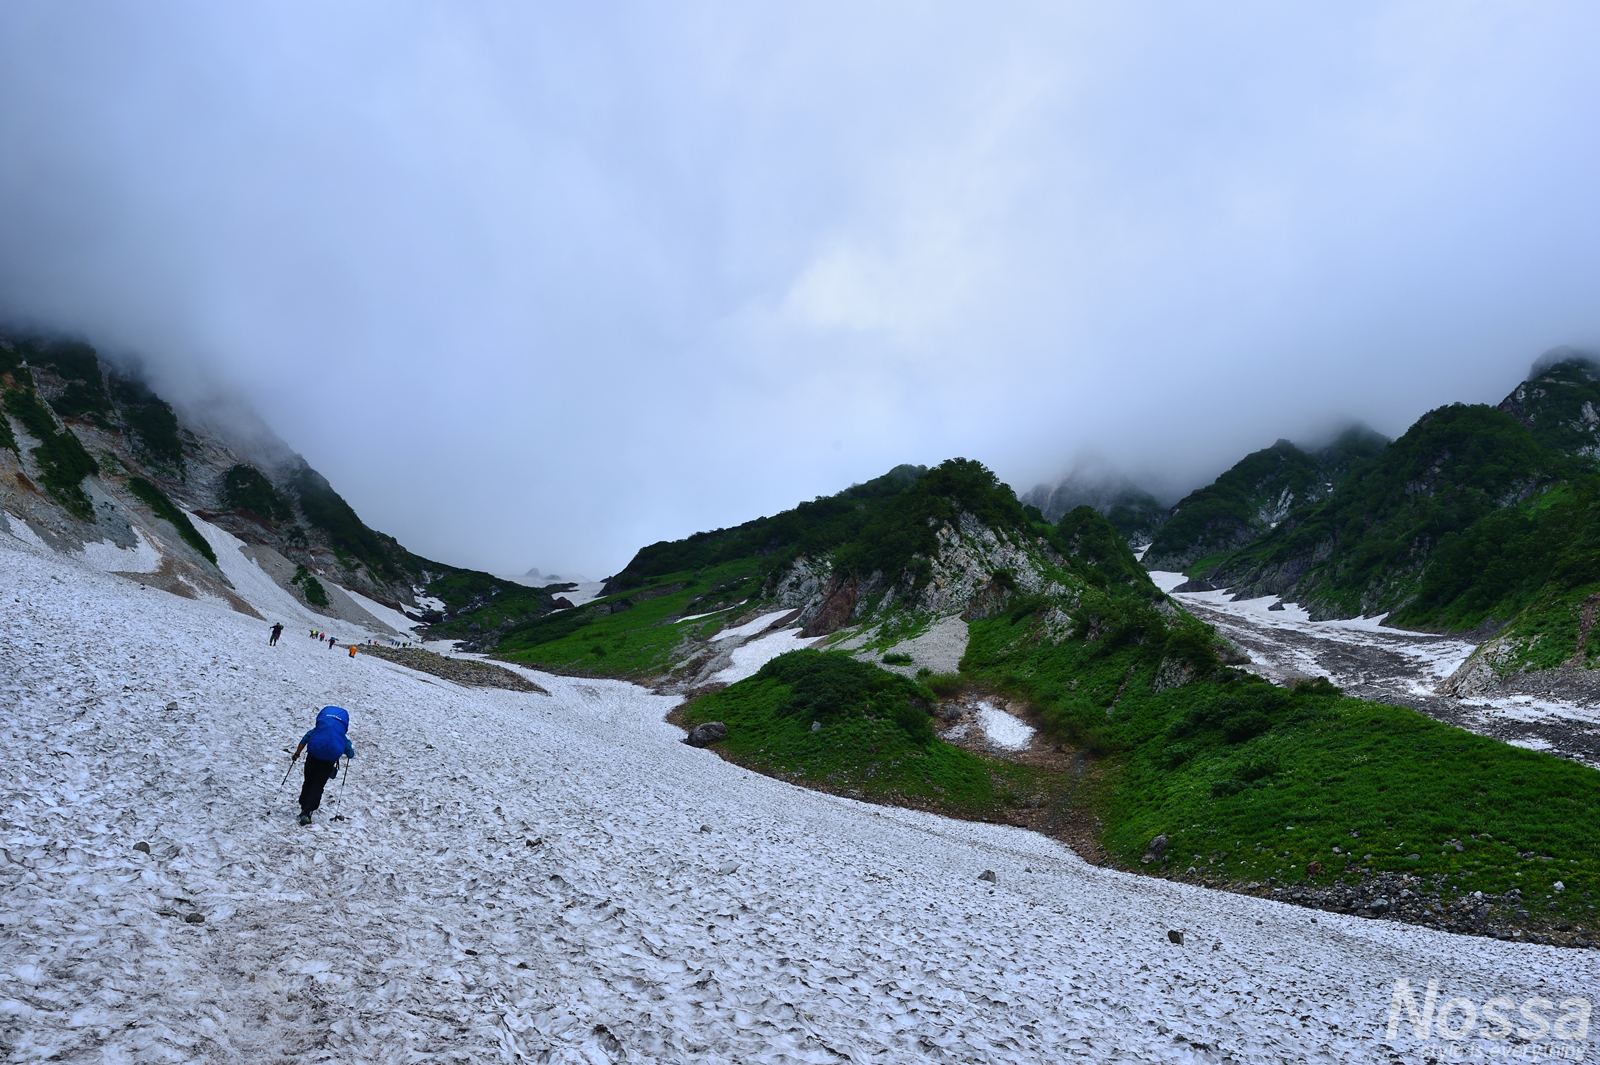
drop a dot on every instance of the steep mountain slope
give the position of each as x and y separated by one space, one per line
1477 518
91 460
1254 496
1559 403
1367 547
1131 510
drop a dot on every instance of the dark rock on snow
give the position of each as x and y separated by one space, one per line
706 734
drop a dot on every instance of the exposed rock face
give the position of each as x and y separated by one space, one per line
1172 673
989 601
1482 672
966 568
968 557
836 609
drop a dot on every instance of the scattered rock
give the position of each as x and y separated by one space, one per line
195 918
1558 887
705 734
727 867
142 846
1176 937
172 708
463 671
1413 857
1313 868
815 725
1196 585
1155 850
705 828
988 874
1276 606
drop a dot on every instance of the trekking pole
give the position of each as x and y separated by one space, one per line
292 760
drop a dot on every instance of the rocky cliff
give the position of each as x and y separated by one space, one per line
93 463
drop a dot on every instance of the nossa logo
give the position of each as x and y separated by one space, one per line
1456 1018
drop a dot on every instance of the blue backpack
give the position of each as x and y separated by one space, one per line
327 740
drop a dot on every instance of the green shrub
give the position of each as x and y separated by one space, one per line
244 488
164 508
62 460
315 593
897 659
328 511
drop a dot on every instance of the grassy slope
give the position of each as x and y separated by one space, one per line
644 637
875 739
1260 781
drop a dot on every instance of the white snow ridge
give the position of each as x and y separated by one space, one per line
517 878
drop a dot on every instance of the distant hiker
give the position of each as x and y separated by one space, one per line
331 642
352 650
277 630
324 745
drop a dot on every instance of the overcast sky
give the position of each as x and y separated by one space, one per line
538 284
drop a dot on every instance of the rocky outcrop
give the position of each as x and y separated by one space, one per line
836 609
704 735
972 564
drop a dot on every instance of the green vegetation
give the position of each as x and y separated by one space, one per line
636 634
165 509
1242 504
62 460
873 735
315 593
809 529
326 509
244 488
1368 547
897 659
75 363
1259 781
151 419
1560 406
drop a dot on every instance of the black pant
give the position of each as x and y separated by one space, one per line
318 773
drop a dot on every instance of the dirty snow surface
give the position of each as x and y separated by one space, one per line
1389 665
526 878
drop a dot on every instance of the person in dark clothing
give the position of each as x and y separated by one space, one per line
331 642
324 745
277 630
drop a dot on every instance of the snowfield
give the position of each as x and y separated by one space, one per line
517 877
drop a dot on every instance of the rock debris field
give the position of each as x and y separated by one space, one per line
504 876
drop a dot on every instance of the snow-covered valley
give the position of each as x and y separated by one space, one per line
505 876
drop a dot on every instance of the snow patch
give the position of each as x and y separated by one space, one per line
748 659
108 557
750 628
1005 731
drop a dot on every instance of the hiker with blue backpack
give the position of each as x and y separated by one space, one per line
324 745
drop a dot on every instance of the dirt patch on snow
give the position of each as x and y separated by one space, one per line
461 670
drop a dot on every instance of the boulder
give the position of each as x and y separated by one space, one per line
988 874
1175 937
1155 850
704 735
1197 585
